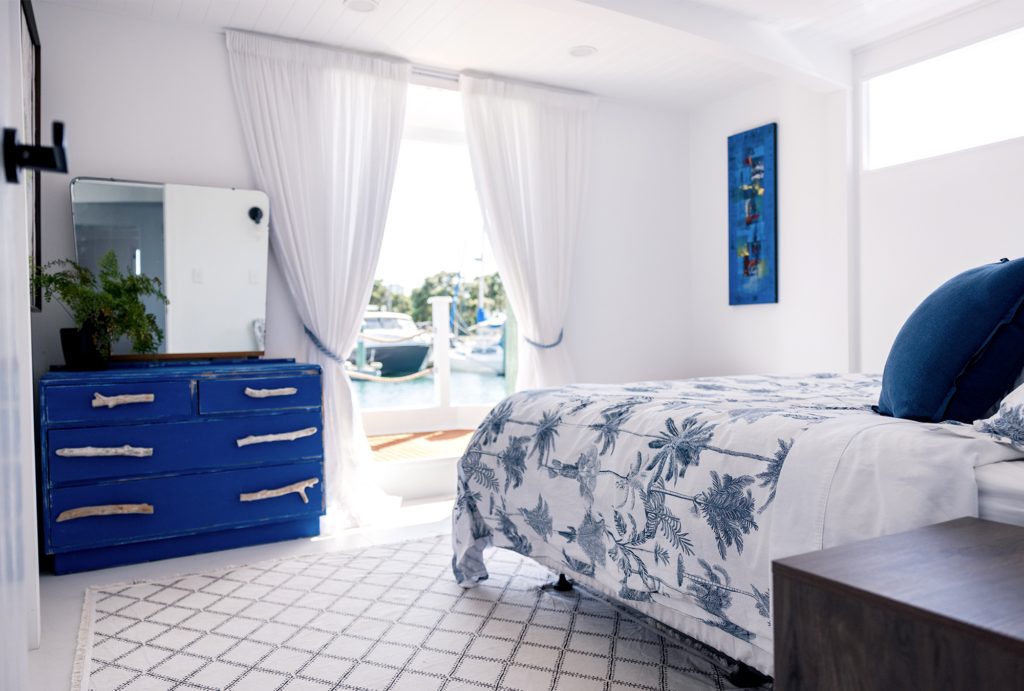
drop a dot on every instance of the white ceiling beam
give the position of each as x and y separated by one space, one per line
745 41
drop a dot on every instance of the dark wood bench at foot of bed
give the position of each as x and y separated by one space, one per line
941 607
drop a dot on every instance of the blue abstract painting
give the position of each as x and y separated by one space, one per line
753 190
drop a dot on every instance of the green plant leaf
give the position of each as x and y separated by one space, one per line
112 305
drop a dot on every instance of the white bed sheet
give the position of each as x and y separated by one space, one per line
649 492
1001 492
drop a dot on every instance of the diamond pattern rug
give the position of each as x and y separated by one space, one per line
386 617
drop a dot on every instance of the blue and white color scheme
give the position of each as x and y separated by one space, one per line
147 462
753 194
675 496
1008 422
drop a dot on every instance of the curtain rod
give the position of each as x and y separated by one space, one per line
435 73
428 71
425 72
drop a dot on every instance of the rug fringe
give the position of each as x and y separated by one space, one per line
533 573
80 670
83 649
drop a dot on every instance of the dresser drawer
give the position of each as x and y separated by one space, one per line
153 508
113 403
114 452
262 393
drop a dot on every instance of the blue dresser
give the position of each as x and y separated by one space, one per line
148 462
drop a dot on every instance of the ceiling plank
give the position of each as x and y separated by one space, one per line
739 38
221 12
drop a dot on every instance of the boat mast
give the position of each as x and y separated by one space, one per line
481 314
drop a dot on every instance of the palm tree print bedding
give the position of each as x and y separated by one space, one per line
1008 422
660 494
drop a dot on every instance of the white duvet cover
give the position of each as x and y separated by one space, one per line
675 496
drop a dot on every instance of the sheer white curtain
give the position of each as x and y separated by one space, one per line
528 145
323 127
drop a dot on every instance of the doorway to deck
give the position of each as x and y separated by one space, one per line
433 354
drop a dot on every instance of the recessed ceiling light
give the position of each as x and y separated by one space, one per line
582 51
362 5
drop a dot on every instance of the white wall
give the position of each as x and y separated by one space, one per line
806 330
147 101
923 222
142 101
649 288
629 307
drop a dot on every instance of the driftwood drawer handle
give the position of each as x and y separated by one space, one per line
101 401
299 488
270 393
104 510
283 436
93 451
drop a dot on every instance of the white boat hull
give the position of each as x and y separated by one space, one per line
487 361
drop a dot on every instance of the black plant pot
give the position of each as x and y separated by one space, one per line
83 349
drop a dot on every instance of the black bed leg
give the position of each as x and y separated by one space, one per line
746 677
564 585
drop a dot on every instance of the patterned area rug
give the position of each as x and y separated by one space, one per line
386 617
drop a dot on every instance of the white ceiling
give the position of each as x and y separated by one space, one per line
849 23
638 58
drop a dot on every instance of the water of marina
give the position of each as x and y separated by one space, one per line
467 388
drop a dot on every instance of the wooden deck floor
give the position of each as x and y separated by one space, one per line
420 445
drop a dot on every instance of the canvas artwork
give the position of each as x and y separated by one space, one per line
753 189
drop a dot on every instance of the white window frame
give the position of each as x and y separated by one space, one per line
933 41
442 415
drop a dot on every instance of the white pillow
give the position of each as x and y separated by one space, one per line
1008 422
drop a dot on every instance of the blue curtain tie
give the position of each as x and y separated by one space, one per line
321 347
545 346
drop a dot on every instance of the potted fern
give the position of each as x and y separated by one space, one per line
104 307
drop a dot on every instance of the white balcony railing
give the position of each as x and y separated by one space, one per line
442 415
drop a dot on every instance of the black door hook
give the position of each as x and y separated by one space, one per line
48 158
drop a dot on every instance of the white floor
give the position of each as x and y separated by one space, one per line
50 665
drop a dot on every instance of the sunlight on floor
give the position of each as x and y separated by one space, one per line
420 445
414 514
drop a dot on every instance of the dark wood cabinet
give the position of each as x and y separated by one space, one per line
941 607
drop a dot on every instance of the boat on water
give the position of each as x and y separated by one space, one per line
483 352
478 358
394 342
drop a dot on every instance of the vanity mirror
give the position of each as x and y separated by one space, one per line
208 246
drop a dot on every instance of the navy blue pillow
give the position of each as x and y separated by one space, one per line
961 350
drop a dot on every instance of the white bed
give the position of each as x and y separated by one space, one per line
675 497
1001 492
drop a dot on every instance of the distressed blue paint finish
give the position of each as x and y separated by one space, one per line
196 472
151 550
228 396
185 446
74 403
182 505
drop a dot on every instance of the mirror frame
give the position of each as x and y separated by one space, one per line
33 188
